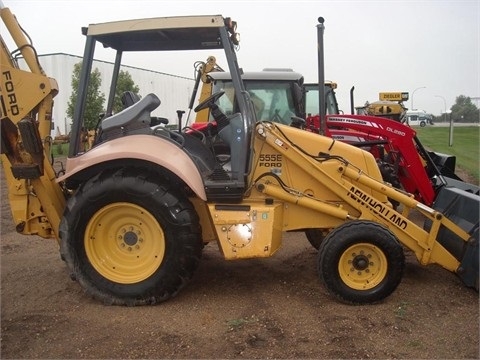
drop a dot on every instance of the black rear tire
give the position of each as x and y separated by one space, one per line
361 262
315 237
130 239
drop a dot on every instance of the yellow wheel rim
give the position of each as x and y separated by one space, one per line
362 266
124 243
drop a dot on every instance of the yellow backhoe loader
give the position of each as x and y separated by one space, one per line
132 214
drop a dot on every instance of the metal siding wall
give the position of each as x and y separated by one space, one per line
173 91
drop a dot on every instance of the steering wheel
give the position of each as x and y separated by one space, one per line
208 102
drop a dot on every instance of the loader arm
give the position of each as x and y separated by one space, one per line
424 243
26 100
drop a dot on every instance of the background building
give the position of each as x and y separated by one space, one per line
173 91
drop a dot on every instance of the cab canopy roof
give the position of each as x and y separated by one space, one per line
161 33
277 75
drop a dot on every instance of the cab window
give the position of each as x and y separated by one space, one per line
272 101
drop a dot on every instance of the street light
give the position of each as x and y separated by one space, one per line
445 106
413 92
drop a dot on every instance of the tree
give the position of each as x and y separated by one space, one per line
124 83
95 99
464 110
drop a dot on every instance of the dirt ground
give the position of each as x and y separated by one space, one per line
247 309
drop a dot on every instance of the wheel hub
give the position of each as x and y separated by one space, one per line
360 262
130 238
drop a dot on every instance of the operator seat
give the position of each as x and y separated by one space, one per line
134 119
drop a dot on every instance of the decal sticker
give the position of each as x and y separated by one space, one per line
270 160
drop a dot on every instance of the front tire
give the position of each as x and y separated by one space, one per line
129 239
361 262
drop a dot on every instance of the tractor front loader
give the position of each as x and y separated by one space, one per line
137 208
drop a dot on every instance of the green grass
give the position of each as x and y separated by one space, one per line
465 145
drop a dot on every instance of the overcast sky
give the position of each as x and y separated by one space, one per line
430 49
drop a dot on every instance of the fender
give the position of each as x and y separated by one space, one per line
142 147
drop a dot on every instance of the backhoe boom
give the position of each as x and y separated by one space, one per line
26 99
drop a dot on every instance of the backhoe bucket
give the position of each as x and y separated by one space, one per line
461 207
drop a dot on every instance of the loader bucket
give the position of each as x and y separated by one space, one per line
445 164
453 182
461 207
